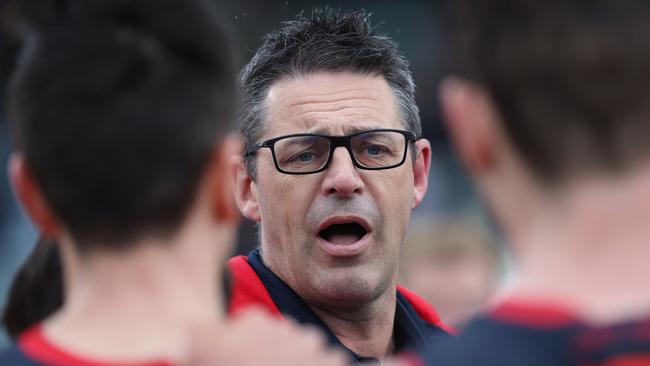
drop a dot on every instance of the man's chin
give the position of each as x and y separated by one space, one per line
343 288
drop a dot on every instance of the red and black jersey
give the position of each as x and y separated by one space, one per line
520 333
416 322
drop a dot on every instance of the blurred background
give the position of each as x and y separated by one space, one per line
451 256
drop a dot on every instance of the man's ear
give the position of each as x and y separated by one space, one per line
471 120
245 191
224 205
31 197
421 169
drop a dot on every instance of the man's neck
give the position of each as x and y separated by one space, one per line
367 329
593 254
138 305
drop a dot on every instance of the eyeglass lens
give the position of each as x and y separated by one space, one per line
375 149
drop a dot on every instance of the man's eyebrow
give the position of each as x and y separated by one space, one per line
348 130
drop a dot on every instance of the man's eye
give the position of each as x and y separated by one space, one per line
374 150
304 157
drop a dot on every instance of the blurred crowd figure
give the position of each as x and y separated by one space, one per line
455 263
547 105
16 233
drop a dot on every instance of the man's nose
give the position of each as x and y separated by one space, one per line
342 177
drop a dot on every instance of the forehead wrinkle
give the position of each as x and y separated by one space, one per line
340 109
316 102
347 130
343 91
365 111
314 117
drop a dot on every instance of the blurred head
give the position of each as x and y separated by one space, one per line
453 263
549 93
332 235
119 112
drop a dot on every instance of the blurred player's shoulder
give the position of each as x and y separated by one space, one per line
524 333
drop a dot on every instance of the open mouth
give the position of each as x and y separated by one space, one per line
343 234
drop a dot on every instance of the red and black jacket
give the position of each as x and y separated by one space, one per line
416 322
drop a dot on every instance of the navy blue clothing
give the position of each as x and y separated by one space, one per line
410 330
497 341
15 357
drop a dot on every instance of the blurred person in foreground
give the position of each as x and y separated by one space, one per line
453 263
120 112
549 112
334 164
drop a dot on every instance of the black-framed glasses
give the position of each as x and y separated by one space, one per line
306 153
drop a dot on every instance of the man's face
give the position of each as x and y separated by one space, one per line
334 236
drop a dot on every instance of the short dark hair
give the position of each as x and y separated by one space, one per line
331 40
569 78
117 107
